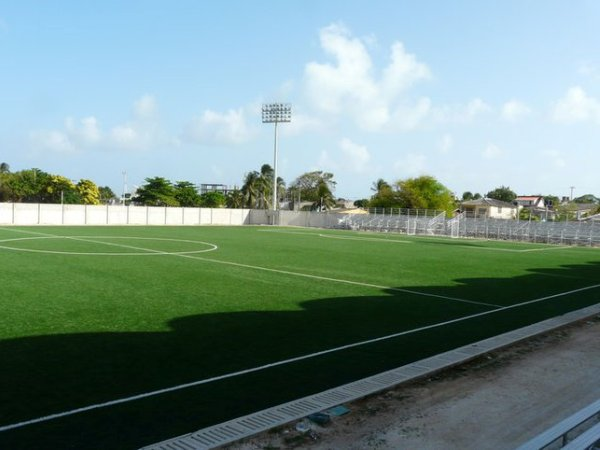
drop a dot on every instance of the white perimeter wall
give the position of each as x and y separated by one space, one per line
50 214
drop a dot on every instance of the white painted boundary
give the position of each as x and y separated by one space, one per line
242 427
282 362
545 248
143 251
279 363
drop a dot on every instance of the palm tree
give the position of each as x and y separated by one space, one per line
235 199
380 185
265 185
325 197
250 189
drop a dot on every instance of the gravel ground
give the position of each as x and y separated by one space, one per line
496 402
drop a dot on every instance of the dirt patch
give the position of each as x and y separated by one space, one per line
497 401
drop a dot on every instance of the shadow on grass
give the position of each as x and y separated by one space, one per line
50 374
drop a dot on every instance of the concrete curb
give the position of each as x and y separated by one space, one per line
251 424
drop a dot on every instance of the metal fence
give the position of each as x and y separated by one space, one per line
412 222
585 233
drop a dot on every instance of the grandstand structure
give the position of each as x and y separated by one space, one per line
584 232
435 223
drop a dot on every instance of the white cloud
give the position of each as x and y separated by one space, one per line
145 107
349 157
587 69
461 114
76 136
403 71
514 110
125 136
446 144
492 152
555 158
55 141
413 164
476 107
325 162
303 123
355 157
406 118
143 131
216 128
349 84
87 132
577 106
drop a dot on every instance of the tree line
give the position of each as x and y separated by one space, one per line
256 191
37 186
313 190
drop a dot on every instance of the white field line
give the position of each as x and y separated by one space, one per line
279 271
279 363
332 236
472 247
91 239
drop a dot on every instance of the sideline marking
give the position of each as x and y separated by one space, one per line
331 236
147 252
285 272
472 247
278 363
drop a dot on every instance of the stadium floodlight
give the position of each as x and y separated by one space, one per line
276 113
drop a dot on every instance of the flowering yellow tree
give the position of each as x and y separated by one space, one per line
88 192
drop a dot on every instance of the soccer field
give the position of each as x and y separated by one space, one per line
118 337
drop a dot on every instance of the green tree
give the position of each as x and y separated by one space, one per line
325 199
385 195
59 189
527 214
425 192
362 203
234 199
257 188
5 175
27 185
250 189
587 198
106 195
265 187
311 184
380 185
503 193
157 191
212 200
186 194
552 201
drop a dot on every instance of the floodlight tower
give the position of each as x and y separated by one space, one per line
276 113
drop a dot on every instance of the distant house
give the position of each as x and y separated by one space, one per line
531 201
583 210
221 188
489 208
537 205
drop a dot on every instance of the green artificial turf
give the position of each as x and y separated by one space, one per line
94 314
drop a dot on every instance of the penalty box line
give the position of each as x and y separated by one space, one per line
280 363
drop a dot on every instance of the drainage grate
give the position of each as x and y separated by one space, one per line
251 424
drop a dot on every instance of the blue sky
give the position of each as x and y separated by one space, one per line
475 93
